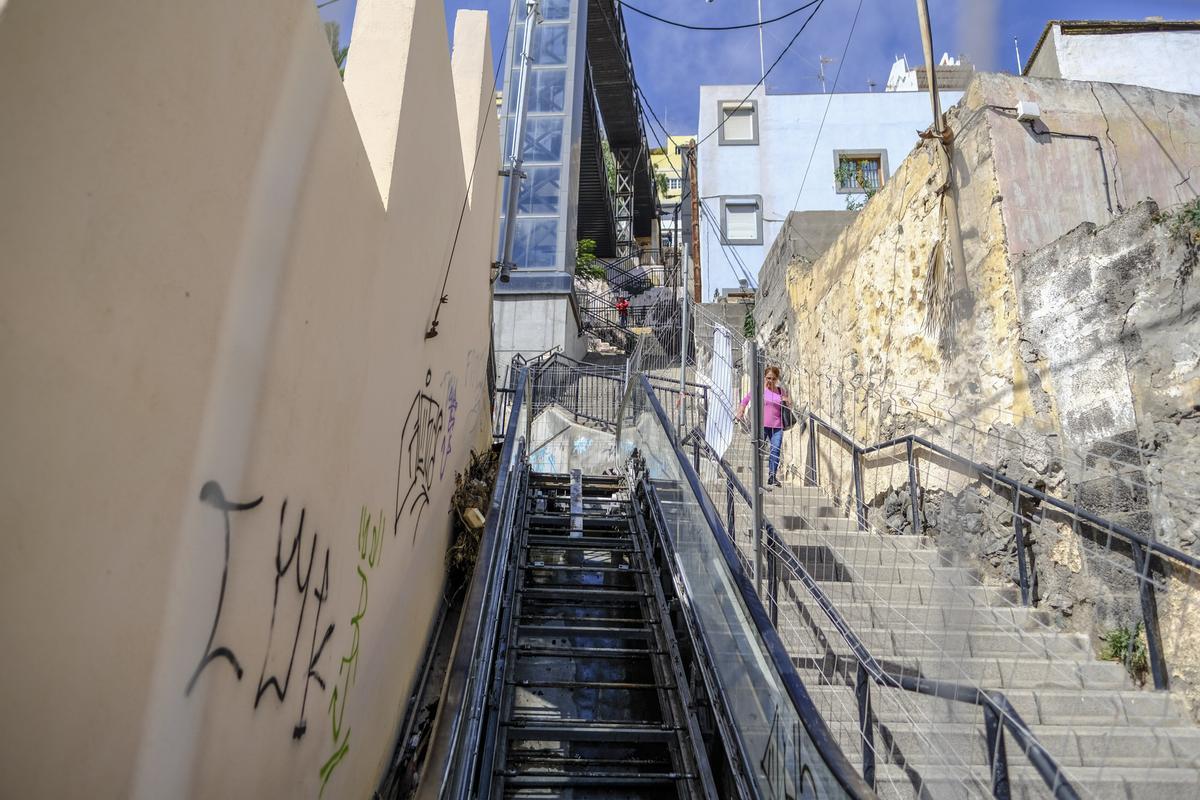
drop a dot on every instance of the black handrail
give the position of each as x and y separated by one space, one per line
806 709
1142 549
996 706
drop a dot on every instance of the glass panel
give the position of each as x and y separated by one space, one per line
550 44
547 89
539 191
543 138
774 741
551 9
535 242
741 221
739 124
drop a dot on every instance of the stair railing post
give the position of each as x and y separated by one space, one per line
683 354
730 509
862 693
810 477
860 508
756 442
997 759
914 488
1154 651
1019 539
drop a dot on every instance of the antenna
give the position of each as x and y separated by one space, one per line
823 60
871 86
1017 47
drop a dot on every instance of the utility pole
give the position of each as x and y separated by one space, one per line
691 169
960 296
514 172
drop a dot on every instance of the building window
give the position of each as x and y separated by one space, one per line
674 184
741 220
859 171
738 121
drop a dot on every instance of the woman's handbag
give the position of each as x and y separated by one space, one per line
788 416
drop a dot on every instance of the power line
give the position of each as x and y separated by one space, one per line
686 26
821 127
443 298
763 79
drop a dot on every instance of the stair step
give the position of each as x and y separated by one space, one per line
860 614
818 667
1043 706
965 643
967 596
1102 783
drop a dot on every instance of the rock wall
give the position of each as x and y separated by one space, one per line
1075 367
229 447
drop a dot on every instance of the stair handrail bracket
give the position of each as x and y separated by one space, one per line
451 766
778 724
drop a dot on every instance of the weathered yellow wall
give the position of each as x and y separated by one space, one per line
217 274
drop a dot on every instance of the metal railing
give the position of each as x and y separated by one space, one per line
451 767
1146 553
999 714
777 725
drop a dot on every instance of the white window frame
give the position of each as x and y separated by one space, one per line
737 200
722 139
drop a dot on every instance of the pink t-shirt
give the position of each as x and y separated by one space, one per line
772 408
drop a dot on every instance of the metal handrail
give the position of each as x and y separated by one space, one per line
996 707
1142 549
806 709
449 769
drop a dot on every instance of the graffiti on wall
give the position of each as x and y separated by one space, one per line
421 441
451 413
370 550
279 658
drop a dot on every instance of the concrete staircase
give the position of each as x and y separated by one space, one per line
923 615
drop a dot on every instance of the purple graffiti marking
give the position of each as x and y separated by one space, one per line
451 409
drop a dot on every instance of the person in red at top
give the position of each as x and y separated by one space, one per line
623 311
775 397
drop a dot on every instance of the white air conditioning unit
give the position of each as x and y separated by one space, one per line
1028 111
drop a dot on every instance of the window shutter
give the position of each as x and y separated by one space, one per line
739 124
741 221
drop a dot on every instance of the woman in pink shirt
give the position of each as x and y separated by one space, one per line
774 399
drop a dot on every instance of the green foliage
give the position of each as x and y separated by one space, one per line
748 326
610 165
1183 224
586 263
661 180
844 173
333 32
1127 646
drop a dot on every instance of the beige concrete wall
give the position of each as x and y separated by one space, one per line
218 271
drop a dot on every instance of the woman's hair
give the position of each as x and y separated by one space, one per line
771 370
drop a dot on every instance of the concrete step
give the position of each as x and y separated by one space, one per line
1102 783
939 617
1036 707
1081 746
816 666
894 643
901 595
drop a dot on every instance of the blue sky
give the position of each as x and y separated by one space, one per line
671 63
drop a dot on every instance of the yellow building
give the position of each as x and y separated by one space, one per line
670 166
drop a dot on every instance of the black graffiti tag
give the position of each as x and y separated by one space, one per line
282 568
212 494
421 439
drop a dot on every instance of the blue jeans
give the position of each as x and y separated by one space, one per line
775 437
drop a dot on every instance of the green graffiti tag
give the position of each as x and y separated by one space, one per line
370 550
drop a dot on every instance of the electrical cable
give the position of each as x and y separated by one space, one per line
443 298
763 79
740 27
821 127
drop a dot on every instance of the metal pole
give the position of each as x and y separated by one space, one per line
756 488
949 195
1017 47
762 62
683 352
691 169
515 158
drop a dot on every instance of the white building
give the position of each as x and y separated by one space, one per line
1153 52
773 155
